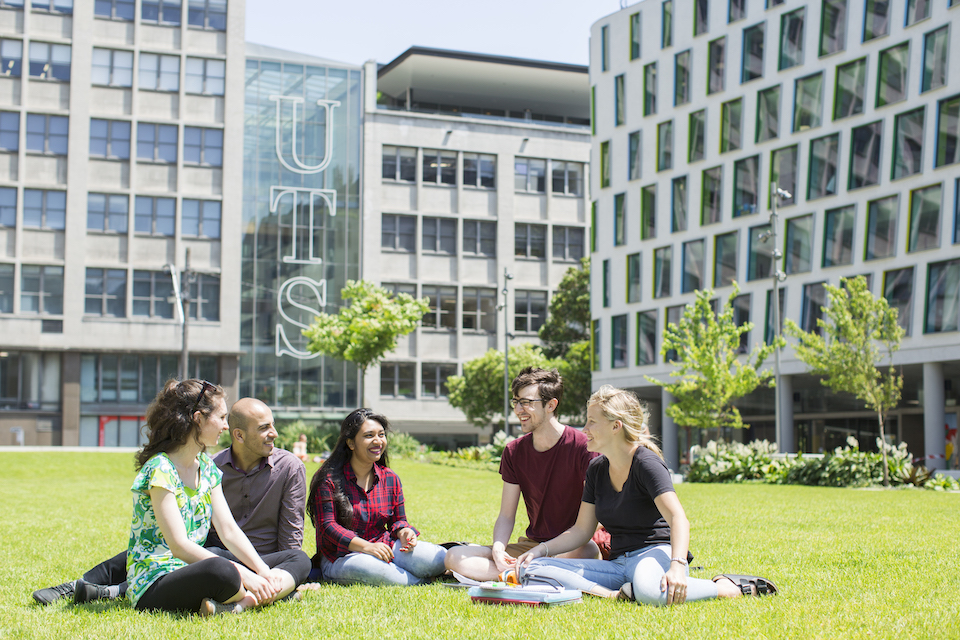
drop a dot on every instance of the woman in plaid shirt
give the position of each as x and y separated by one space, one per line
356 505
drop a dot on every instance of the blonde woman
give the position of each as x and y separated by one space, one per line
628 489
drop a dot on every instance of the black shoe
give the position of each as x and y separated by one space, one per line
52 594
86 592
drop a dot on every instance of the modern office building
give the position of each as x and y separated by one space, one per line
474 165
849 107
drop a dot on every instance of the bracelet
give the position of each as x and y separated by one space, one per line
682 561
546 549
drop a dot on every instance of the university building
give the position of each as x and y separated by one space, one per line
849 107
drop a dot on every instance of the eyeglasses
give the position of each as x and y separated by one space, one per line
203 392
523 402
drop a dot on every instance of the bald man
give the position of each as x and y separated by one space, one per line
265 488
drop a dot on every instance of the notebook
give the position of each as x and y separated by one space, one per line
531 595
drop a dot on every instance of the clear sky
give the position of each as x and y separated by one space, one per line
357 30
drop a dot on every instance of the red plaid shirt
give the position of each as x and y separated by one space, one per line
378 514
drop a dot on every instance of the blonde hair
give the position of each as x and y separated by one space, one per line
617 404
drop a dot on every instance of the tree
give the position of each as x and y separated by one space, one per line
569 319
369 327
577 382
858 325
710 371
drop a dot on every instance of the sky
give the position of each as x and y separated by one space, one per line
354 31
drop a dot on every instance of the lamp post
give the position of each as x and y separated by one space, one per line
181 296
778 277
507 277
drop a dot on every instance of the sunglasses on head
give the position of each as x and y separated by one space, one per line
203 392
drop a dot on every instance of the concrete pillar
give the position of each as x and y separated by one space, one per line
70 399
669 443
934 436
785 393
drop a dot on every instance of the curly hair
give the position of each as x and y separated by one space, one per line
617 404
170 419
333 467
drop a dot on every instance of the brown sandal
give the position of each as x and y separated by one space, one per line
750 585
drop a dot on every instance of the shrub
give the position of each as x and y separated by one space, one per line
320 437
404 445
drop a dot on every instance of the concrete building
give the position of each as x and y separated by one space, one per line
849 107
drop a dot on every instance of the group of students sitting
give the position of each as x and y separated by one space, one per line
188 553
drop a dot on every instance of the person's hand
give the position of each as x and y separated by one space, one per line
380 551
526 558
261 588
674 583
502 559
407 538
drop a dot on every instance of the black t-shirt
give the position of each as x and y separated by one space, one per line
631 516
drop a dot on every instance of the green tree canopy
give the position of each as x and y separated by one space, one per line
569 319
858 331
711 373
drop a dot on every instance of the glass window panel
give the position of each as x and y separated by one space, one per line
633 277
678 221
924 219
783 171
833 26
692 279
646 337
814 300
908 143
635 158
881 228
935 47
619 220
799 238
746 186
898 290
711 196
876 21
681 78
716 68
760 261
650 89
838 236
648 212
943 297
791 39
808 102
697 135
662 270
665 146
768 114
917 10
619 101
731 124
823 166
752 67
948 132
634 36
865 143
725 259
892 74
850 88
666 24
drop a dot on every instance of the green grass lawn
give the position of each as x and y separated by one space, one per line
849 563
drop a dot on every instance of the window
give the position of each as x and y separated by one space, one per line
47 134
606 283
752 63
165 12
838 236
697 135
731 125
433 379
650 89
823 166
673 315
808 102
619 101
681 78
151 293
11 56
725 259
634 36
948 132
692 266
768 333
711 196
716 65
200 218
662 268
114 68
791 39
898 290
208 14
115 9
918 10
833 27
760 259
633 277
635 158
205 298
203 75
106 292
892 74
154 215
943 297
530 241
593 226
480 309
479 170
798 244
666 24
567 177
604 48
935 46
57 6
595 344
881 228
439 235
814 299
648 212
50 61
396 288
701 21
398 379
439 167
783 171
399 163
9 131
678 218
876 21
908 143
646 337
6 288
593 110
746 186
768 114
618 341
736 10
531 175
480 238
44 209
41 290
850 89
567 244
619 220
110 139
865 155
398 233
203 146
741 316
8 207
665 145
106 212
924 219
157 142
530 312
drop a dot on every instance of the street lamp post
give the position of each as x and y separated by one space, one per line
181 296
507 276
778 277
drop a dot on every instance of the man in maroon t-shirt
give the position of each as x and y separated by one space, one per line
546 466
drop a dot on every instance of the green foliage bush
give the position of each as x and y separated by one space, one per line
485 456
404 445
320 437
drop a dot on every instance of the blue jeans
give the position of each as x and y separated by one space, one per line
408 567
644 567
